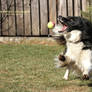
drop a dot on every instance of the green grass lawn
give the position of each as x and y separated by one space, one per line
30 68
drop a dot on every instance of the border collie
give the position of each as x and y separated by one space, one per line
77 35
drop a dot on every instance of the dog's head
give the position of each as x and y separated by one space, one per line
75 29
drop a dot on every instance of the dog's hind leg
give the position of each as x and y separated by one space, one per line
86 65
66 76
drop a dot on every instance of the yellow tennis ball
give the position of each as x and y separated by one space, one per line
50 25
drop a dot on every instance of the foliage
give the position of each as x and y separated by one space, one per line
88 13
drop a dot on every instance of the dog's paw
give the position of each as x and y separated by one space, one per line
65 78
85 77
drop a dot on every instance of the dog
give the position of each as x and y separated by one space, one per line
77 35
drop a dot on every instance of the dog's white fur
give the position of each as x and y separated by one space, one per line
82 59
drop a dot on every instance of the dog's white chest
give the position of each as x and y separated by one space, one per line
74 50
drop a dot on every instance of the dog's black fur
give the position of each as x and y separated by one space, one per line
81 24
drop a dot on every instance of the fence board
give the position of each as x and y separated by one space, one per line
64 9
43 17
52 12
70 8
15 16
60 4
35 17
0 18
84 5
19 10
77 8
27 17
5 18
12 31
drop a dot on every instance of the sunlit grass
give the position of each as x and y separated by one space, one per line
30 68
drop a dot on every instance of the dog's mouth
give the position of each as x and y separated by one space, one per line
63 22
63 28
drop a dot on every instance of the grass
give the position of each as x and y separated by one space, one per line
30 68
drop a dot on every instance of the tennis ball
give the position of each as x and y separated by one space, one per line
51 25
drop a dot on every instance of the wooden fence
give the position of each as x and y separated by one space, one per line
30 17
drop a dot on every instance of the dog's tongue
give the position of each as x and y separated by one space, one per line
64 28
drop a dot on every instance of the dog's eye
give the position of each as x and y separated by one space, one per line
71 19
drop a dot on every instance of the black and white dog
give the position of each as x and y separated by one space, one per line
77 34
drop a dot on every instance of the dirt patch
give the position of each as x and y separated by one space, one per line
29 40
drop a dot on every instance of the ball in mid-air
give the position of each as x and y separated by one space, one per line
51 25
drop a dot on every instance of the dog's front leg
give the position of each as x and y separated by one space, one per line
66 74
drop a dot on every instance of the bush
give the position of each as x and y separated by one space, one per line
88 13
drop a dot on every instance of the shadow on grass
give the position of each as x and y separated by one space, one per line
80 82
86 83
90 85
77 81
